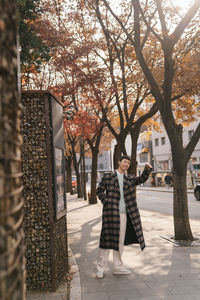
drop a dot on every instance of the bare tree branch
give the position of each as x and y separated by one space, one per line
185 21
108 39
148 115
145 21
192 143
152 82
162 18
119 21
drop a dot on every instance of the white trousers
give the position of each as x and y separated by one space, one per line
103 254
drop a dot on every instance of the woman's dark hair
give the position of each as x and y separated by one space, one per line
125 157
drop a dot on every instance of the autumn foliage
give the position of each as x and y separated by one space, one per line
116 73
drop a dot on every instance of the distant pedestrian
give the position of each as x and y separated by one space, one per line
159 181
168 180
153 183
121 224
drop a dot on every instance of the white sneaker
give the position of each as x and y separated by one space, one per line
122 271
99 274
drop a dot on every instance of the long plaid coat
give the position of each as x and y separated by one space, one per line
109 193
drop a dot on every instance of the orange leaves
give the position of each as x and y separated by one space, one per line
185 110
30 69
83 124
187 72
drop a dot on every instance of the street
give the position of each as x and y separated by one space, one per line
162 202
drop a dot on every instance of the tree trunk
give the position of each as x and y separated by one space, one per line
78 177
116 156
79 186
95 150
182 230
133 167
93 195
76 166
84 175
180 153
12 264
134 140
81 169
68 163
118 152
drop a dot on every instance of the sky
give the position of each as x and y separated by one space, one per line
182 3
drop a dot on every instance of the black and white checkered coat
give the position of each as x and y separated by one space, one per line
109 193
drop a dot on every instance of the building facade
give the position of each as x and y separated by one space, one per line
162 158
153 147
144 150
104 165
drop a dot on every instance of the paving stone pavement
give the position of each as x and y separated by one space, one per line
162 271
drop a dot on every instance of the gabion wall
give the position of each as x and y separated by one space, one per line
45 237
12 274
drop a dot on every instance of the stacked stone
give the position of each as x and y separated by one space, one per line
35 179
61 243
38 240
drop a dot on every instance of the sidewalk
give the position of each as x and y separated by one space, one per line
162 271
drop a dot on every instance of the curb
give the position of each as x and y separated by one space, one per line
159 190
75 284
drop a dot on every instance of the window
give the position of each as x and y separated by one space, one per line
196 166
139 147
156 142
101 166
164 165
144 157
163 140
190 134
193 159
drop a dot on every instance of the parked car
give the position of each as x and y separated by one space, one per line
74 182
197 192
195 173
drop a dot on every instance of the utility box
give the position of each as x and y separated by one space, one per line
43 164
